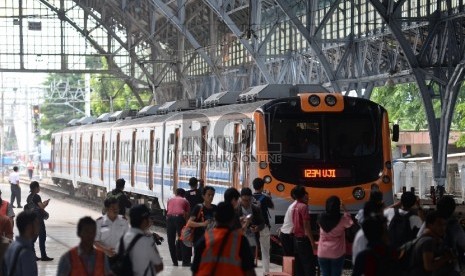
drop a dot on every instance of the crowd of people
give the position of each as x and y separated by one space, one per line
229 238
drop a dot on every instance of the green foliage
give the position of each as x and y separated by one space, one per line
110 94
404 105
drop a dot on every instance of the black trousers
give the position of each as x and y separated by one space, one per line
287 240
42 237
304 258
174 224
15 193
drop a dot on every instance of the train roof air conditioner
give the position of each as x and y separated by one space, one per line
73 122
265 92
222 98
122 114
180 105
148 110
103 118
86 120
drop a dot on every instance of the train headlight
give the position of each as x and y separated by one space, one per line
374 187
314 100
386 179
330 100
388 165
267 179
358 193
263 165
280 187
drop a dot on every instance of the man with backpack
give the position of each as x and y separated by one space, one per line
20 258
123 199
144 258
454 237
194 195
264 202
84 259
379 259
429 256
403 222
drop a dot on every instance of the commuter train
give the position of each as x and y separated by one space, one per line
330 143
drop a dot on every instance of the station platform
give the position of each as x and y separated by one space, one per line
61 229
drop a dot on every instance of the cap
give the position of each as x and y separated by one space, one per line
139 211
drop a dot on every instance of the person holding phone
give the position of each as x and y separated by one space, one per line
35 200
252 216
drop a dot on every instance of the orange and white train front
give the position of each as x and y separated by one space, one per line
329 143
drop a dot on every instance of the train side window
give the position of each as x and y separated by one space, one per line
157 151
196 151
113 151
212 159
220 151
144 152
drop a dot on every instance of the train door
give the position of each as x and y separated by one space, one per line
132 158
236 156
102 156
117 167
203 154
150 165
176 159
246 147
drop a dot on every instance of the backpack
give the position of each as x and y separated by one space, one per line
407 255
116 196
258 202
399 229
386 265
122 264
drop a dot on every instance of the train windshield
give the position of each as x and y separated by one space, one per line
340 147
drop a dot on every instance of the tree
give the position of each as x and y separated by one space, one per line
404 105
110 94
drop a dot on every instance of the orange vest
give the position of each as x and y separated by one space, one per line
229 262
78 268
4 208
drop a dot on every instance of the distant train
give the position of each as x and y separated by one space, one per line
331 144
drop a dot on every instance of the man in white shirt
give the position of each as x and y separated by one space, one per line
110 228
15 189
285 232
144 255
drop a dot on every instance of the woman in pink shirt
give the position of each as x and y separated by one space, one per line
332 244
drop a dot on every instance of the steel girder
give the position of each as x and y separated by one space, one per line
439 60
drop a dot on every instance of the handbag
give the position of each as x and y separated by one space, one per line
187 232
44 214
187 235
